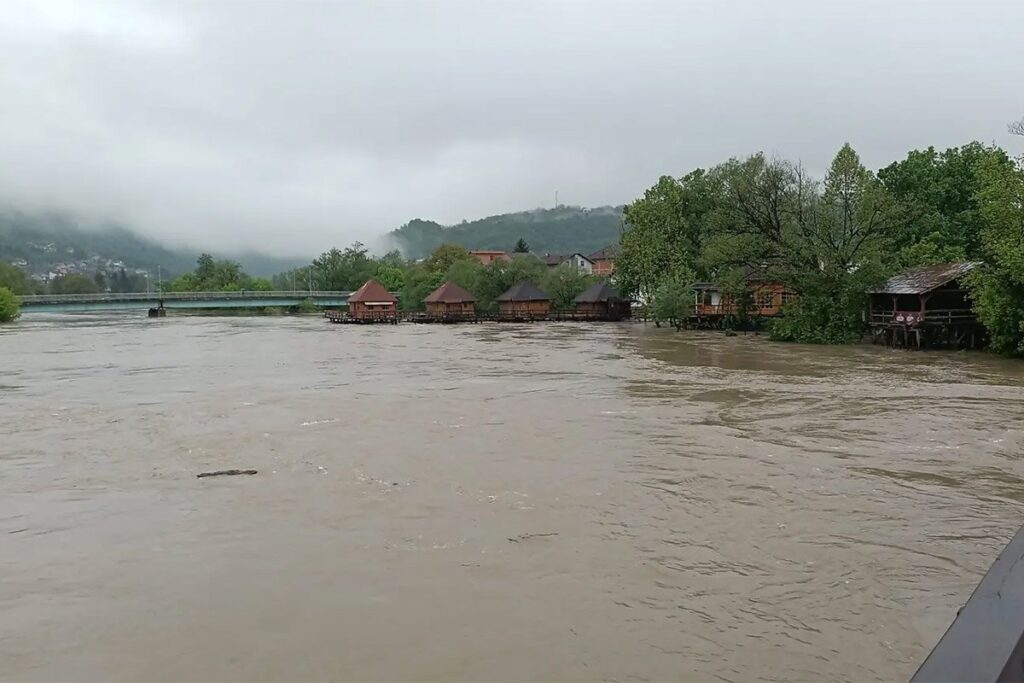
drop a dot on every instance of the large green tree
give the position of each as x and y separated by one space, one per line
998 287
15 279
74 284
10 307
666 232
829 242
342 270
213 275
937 198
565 283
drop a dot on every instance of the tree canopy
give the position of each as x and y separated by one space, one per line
831 240
10 307
213 275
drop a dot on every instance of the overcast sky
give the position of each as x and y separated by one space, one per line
294 126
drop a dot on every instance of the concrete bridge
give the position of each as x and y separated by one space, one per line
72 303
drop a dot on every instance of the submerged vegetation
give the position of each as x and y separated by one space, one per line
10 308
831 240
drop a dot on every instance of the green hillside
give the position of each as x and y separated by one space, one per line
44 240
561 230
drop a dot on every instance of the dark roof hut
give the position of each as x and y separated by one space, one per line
601 301
524 301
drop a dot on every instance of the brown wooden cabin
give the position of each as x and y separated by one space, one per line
524 302
926 306
451 302
767 299
601 301
372 302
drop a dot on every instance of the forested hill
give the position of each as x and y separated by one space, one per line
560 230
44 240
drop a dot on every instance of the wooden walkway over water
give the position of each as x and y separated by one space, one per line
342 318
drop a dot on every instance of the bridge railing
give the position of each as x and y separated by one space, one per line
178 296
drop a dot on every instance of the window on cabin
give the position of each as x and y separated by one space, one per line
765 298
787 297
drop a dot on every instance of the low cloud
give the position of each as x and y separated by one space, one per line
290 127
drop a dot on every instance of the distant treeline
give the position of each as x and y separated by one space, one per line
18 281
564 229
830 240
348 269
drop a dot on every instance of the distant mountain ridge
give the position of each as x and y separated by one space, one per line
563 229
42 242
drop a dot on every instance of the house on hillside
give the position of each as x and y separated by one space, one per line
604 261
576 260
926 306
489 256
601 301
524 302
451 302
373 303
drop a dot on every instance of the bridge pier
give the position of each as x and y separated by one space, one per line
160 312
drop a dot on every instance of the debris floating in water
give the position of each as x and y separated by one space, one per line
523 537
225 473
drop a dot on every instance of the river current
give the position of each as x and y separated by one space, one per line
488 502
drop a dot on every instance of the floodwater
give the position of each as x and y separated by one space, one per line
488 502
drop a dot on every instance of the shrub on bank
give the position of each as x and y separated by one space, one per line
10 307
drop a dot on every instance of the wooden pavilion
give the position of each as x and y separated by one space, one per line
450 303
601 301
926 306
372 303
524 302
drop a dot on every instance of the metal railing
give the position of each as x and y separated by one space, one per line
985 642
108 297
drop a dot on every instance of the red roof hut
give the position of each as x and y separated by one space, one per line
372 302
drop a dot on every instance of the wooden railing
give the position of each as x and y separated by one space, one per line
947 316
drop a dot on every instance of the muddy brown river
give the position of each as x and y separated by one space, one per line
488 502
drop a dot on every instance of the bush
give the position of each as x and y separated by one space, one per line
10 307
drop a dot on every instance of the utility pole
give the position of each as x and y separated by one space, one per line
556 199
159 280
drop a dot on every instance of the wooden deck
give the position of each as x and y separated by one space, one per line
342 318
946 328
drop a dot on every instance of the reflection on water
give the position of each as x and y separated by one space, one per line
483 502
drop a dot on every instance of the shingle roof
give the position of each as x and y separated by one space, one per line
372 292
524 291
449 293
609 253
926 278
599 292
